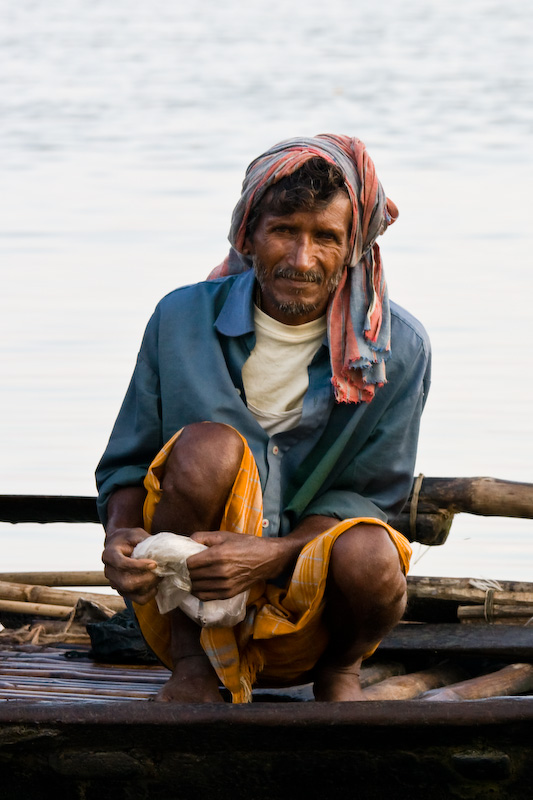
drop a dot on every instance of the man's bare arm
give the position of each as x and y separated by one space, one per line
133 578
125 508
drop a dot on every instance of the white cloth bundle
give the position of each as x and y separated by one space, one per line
171 552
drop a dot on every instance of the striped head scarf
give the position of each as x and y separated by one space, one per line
358 310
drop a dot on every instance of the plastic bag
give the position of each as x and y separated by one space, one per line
171 551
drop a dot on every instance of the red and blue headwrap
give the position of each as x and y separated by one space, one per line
358 311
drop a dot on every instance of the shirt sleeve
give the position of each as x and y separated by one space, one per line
137 434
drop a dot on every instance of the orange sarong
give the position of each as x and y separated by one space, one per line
282 636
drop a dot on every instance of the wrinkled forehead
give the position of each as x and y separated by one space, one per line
338 203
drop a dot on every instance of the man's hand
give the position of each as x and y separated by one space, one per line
132 577
233 562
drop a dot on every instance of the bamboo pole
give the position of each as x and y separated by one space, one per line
83 578
11 674
68 697
80 689
404 687
23 656
35 609
62 663
466 594
467 613
425 582
517 622
44 594
513 679
122 680
375 673
117 672
485 496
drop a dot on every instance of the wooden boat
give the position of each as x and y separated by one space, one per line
451 689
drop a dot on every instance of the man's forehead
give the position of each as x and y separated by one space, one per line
336 210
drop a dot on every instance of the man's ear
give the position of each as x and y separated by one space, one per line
248 248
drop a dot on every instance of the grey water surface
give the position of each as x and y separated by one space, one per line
125 128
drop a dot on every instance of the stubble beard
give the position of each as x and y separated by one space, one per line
296 308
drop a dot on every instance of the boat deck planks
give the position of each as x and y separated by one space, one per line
29 672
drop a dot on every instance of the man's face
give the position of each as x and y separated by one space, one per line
299 259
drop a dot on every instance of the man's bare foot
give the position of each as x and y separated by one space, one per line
192 681
337 684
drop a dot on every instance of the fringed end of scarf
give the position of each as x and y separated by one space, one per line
383 350
350 387
251 663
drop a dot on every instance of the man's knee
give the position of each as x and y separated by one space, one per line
205 454
365 559
211 441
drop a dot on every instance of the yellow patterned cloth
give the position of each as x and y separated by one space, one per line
282 635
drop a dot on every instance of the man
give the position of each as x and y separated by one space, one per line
280 398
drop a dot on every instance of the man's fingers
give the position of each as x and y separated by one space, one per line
142 599
216 589
210 569
133 574
133 585
115 558
209 538
202 559
216 595
207 558
132 577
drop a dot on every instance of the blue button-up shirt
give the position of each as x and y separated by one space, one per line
341 460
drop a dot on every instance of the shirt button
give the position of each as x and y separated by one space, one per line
275 449
265 523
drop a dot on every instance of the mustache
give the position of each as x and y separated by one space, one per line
311 276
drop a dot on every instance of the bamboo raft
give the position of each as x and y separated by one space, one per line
451 690
33 666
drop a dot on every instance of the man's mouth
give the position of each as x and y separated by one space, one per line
311 276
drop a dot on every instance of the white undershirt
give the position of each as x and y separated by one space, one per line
275 375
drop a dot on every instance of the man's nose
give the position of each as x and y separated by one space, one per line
302 253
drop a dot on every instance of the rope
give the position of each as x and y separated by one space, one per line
413 509
485 583
488 608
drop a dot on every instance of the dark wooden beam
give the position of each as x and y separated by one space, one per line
439 499
508 642
47 508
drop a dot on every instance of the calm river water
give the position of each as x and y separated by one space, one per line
126 128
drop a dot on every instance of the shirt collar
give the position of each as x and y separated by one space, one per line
236 316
